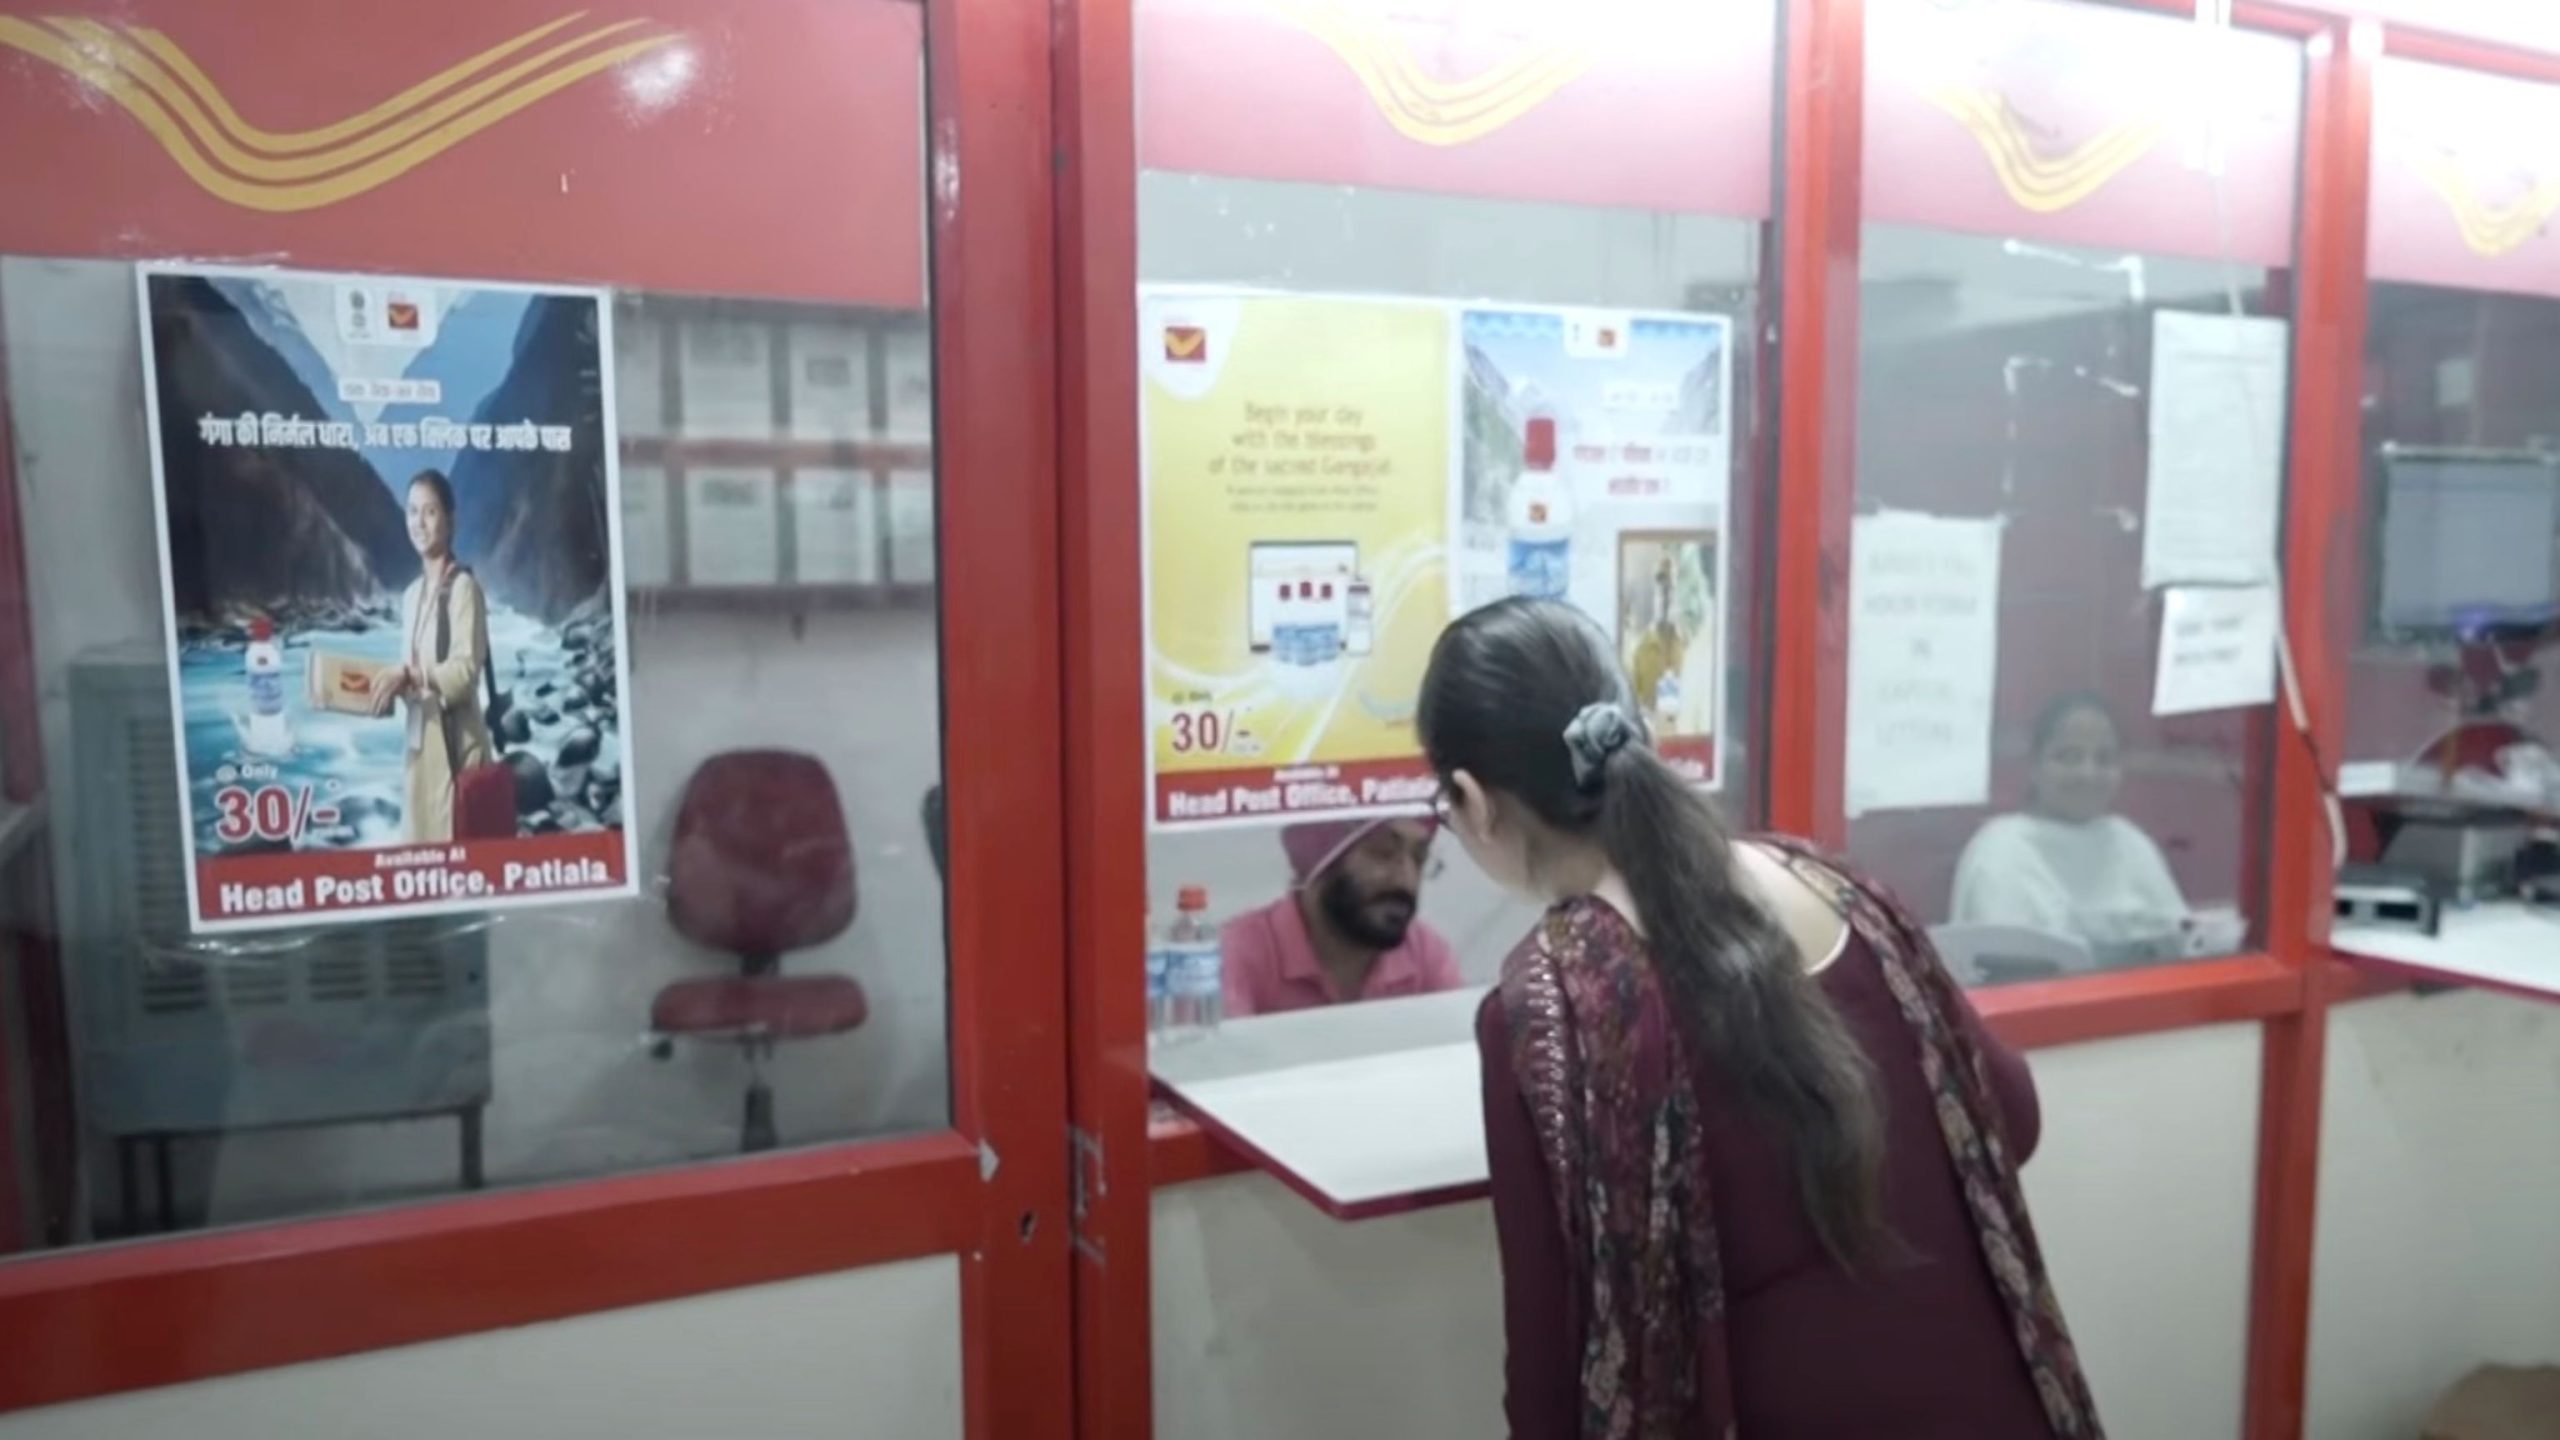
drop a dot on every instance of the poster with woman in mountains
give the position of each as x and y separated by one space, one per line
391 564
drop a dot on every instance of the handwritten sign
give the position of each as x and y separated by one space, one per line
1924 649
2217 649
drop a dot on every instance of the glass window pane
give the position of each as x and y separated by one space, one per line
2461 478
2070 455
489 723
1543 333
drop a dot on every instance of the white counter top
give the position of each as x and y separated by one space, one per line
1364 1109
2505 946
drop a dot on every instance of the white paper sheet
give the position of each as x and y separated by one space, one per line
733 528
2217 449
907 374
1924 642
830 382
725 379
645 550
835 527
2217 648
911 540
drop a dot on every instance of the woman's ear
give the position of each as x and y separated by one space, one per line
1472 813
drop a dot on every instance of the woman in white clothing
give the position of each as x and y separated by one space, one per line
2068 864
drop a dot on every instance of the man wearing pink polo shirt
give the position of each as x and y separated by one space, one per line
1347 929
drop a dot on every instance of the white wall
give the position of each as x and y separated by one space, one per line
1274 1321
860 1355
2439 1220
2144 1192
575 1091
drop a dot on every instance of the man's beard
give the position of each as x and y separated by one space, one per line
1349 912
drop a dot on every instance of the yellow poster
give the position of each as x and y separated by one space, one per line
1295 459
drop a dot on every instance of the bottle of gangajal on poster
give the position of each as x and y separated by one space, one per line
265 731
1328 626
1359 622
1541 518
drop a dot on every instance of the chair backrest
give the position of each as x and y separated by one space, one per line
761 863
1998 954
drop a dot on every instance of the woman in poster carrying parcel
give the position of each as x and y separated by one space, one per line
1754 1157
446 619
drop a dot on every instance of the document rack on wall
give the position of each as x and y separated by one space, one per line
775 456
182 1036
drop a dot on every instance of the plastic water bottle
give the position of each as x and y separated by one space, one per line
1289 625
1159 975
1195 979
1325 633
1540 559
266 731
1308 628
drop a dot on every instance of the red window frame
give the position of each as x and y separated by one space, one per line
991 1189
1062 561
2286 986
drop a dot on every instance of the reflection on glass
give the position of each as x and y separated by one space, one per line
783 728
1349 927
1297 934
2462 373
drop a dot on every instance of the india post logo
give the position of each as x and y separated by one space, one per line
1186 345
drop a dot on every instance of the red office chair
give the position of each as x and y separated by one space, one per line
761 865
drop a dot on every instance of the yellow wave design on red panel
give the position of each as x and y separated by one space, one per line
2489 230
2040 183
1420 106
180 106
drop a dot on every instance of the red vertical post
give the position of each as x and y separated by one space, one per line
988 193
2321 582
1822 108
1101 635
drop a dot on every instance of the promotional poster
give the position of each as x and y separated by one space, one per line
1329 480
1295 454
1595 469
389 519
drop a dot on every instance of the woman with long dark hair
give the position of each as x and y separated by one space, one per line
1754 1158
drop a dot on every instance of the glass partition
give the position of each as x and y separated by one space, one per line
2462 445
2065 592
485 703
1434 308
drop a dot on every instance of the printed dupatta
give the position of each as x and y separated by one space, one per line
1618 1126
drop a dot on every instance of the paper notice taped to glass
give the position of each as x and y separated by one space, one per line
2217 648
1924 651
2217 450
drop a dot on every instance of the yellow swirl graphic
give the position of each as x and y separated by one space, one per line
181 107
1421 107
2039 183
2490 230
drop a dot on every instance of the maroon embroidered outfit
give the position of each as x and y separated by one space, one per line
1661 1280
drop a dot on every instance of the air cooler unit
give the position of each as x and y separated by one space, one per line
357 1021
